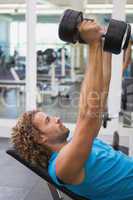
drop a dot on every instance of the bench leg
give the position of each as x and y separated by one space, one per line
55 193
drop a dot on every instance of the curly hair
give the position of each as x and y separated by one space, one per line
23 138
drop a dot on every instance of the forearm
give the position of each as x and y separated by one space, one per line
107 69
88 121
92 87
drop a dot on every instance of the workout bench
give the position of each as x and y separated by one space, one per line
54 188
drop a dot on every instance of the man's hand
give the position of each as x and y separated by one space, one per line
90 31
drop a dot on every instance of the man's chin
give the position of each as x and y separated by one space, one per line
66 132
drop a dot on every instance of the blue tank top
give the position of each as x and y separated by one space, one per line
108 174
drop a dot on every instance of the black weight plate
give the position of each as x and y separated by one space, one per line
114 36
77 18
79 39
50 56
64 34
68 25
128 37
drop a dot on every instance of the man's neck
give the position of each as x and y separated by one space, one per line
58 147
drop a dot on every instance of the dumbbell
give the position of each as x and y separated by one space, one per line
115 39
50 56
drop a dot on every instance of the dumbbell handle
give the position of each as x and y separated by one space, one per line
89 19
80 20
104 34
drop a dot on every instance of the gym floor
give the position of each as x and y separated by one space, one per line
19 183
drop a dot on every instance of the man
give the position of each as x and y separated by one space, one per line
85 165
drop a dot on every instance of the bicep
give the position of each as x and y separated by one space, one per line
69 164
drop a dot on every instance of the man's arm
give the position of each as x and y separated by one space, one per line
107 69
71 158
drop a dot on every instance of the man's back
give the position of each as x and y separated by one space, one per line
107 174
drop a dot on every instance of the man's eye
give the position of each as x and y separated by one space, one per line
48 119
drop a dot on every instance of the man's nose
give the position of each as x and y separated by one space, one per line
57 119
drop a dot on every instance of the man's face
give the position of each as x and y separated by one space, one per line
52 130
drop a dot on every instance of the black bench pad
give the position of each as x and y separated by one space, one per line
43 174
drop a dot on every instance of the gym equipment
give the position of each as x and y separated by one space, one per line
1 51
11 84
41 66
115 39
127 94
39 53
49 56
18 86
63 66
131 70
106 118
43 173
59 53
116 144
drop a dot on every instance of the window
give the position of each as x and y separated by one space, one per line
47 37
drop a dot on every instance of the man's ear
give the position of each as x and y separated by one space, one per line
41 139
